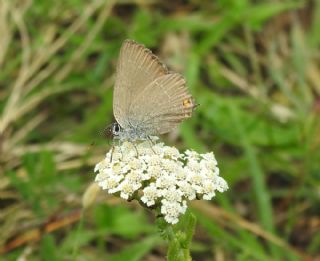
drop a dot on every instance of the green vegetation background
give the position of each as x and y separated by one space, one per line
252 65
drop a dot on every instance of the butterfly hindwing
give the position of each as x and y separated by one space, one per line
166 102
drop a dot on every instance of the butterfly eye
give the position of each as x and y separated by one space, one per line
116 129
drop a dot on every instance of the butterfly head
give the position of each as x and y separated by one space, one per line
111 131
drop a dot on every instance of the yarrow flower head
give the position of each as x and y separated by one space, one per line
159 176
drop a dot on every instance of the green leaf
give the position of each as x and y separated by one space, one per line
135 252
49 251
257 14
121 221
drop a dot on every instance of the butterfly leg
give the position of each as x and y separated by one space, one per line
111 143
112 150
119 145
151 144
135 147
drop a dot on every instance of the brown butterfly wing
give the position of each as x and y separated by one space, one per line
137 67
161 105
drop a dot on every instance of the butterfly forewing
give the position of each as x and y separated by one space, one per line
137 67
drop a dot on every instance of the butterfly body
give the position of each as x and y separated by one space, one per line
131 133
148 99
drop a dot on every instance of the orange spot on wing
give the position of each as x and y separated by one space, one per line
187 103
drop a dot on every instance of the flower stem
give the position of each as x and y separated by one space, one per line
179 238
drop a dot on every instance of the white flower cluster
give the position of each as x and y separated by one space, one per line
159 176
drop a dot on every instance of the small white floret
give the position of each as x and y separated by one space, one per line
150 194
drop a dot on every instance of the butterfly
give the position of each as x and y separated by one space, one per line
148 100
